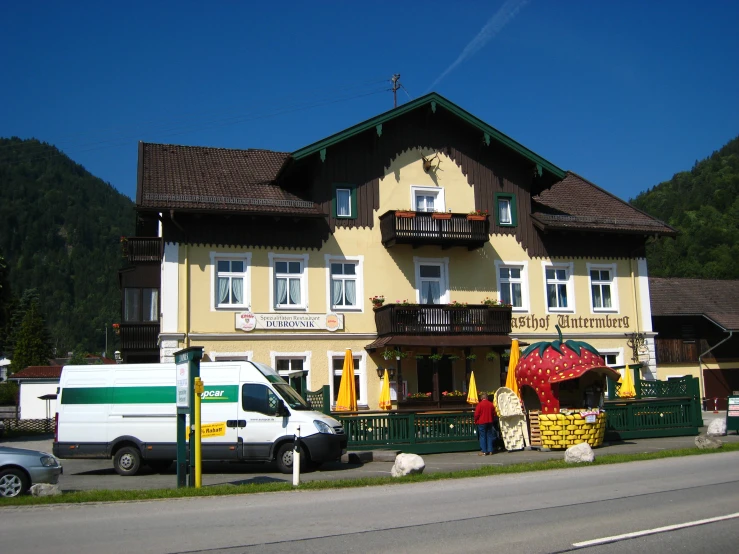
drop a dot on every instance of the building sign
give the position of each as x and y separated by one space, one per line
248 321
183 384
567 321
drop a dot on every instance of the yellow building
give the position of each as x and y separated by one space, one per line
277 257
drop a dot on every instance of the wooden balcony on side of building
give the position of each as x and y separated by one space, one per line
436 319
676 351
142 249
139 337
425 229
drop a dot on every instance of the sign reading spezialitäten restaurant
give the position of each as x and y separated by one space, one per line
248 321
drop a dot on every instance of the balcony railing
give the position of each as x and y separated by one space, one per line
139 336
424 229
142 249
434 319
675 351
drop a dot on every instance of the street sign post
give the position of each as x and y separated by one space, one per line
732 414
187 363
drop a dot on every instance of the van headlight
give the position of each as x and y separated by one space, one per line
323 427
48 461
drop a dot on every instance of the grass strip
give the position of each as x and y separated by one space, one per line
219 490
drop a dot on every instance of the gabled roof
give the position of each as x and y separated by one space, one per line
435 101
714 299
574 203
215 179
38 372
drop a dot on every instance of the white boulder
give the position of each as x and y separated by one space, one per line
707 443
579 453
406 464
45 489
717 428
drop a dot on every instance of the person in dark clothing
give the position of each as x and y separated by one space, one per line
484 417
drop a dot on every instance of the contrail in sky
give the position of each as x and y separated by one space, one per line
506 12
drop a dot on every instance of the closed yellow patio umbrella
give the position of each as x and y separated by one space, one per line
385 402
627 389
347 399
510 381
472 396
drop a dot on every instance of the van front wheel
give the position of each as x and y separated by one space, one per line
285 458
127 461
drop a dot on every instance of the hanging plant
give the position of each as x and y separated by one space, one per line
436 357
472 357
453 357
491 356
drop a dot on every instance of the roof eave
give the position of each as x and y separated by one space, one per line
414 104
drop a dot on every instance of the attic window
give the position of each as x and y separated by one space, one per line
344 202
505 210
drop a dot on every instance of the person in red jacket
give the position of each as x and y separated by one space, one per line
484 417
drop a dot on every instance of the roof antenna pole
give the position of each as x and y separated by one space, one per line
395 88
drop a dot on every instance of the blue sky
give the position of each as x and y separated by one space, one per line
624 93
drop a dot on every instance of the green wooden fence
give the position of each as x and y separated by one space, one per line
638 419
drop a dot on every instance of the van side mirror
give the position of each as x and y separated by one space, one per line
282 410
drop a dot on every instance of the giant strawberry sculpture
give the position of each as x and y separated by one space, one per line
545 364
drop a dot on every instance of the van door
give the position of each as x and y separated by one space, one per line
220 422
259 407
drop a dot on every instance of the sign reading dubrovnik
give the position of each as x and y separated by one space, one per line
567 321
248 321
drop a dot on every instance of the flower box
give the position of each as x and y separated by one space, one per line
471 217
441 215
402 213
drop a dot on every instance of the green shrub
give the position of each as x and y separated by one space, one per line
8 393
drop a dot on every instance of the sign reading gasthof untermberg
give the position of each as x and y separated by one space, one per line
248 321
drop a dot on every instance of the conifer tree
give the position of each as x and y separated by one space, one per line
31 345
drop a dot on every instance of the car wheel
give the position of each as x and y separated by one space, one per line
13 482
127 461
159 466
285 458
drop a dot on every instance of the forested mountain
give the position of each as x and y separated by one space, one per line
60 230
703 205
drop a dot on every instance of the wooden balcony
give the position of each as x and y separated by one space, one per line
424 229
436 319
139 337
142 249
676 351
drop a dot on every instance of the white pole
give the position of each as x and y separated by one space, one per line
296 459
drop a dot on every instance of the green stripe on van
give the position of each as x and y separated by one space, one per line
142 395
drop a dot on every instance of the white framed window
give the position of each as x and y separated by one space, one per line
345 283
293 367
427 199
288 281
244 356
603 290
513 284
230 280
343 202
613 357
558 287
504 211
432 280
336 361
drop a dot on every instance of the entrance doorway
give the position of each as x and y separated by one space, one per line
426 375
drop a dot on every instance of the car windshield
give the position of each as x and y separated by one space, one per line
291 398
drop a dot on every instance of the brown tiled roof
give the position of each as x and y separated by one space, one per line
576 203
717 300
208 179
39 372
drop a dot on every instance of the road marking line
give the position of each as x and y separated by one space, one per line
635 534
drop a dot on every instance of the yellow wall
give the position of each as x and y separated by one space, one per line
391 272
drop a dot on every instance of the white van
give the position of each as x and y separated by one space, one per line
127 412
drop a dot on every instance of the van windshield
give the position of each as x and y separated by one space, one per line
291 397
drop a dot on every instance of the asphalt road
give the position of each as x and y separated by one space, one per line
99 474
536 512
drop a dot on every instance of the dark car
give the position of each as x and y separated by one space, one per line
20 468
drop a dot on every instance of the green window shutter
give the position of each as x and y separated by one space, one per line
352 202
514 211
